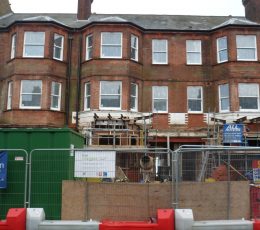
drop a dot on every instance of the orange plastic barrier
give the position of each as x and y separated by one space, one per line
165 221
15 220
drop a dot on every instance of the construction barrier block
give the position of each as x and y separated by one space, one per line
256 225
3 225
16 219
165 221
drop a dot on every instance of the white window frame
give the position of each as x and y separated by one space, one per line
33 44
160 98
257 96
111 45
154 51
21 96
13 45
87 96
199 52
134 97
221 50
56 96
195 99
134 47
100 96
89 48
58 47
248 48
223 98
9 95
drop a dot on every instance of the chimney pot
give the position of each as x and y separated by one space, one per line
84 9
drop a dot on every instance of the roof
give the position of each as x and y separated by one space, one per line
146 22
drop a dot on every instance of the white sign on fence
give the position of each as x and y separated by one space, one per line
95 164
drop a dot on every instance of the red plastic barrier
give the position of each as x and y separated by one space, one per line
165 221
15 220
256 225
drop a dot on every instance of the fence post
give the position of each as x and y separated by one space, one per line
175 178
228 188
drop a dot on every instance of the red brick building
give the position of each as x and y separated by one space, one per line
131 79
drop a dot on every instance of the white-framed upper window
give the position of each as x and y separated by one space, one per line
134 97
111 45
134 47
13 46
224 98
58 47
160 99
195 102
87 96
248 96
222 50
110 95
31 93
89 47
9 95
193 52
55 96
34 44
160 51
246 48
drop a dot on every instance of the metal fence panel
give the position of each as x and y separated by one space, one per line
15 195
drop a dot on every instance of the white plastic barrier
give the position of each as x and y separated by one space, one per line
183 219
69 225
34 217
223 225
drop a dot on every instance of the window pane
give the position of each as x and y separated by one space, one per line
34 51
34 38
225 104
159 58
194 92
31 86
160 105
194 105
245 41
246 54
111 38
222 43
193 46
57 52
223 55
159 46
224 90
58 40
110 87
111 51
55 102
31 100
90 41
133 89
110 101
248 90
248 103
55 88
160 92
193 58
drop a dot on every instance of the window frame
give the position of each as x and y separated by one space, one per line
33 44
219 51
239 96
223 98
89 48
194 52
9 95
160 98
189 98
160 52
21 96
59 47
56 95
120 98
86 96
111 45
247 48
134 97
134 49
13 45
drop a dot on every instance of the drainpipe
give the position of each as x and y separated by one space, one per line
67 93
78 83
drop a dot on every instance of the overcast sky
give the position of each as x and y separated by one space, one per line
174 7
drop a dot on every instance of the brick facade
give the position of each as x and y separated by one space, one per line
74 71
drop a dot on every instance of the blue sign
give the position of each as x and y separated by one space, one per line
3 170
233 133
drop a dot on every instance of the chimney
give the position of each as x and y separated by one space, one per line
252 9
84 9
5 7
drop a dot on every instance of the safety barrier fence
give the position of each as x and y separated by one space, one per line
36 179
